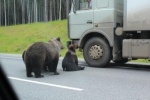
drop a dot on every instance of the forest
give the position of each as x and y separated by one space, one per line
13 12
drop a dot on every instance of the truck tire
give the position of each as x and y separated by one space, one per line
97 52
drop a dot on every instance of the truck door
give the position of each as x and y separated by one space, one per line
102 14
81 19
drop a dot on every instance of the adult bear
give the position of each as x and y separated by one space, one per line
41 55
70 61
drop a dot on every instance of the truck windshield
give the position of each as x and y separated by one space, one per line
83 4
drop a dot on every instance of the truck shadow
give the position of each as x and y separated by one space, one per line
134 66
130 66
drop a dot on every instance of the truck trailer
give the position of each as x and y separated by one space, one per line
117 30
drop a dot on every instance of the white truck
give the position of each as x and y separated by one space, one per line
116 30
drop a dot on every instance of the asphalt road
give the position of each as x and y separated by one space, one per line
117 82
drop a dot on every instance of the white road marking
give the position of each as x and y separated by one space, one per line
47 84
11 57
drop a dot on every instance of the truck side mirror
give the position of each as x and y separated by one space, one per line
74 6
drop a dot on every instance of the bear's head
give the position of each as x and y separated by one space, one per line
72 48
57 42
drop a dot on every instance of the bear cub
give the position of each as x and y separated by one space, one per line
41 56
70 61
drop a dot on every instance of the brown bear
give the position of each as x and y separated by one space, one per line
70 61
41 55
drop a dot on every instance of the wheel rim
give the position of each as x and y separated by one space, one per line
96 52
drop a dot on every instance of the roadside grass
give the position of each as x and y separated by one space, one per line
141 60
15 39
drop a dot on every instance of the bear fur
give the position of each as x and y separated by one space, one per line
41 56
70 61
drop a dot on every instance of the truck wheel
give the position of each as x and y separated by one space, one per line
96 52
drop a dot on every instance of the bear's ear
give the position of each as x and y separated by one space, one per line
58 38
70 47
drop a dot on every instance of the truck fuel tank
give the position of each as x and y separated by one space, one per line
136 48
